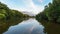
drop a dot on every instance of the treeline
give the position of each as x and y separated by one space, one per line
10 15
51 12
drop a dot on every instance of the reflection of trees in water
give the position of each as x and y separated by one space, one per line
4 26
51 28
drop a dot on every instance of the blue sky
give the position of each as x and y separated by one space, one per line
34 6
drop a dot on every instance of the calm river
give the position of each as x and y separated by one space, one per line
31 26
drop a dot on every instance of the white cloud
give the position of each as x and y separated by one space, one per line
29 6
41 1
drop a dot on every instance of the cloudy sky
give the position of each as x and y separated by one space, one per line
34 6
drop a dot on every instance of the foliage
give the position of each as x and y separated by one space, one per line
10 15
51 11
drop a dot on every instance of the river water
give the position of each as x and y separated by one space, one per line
32 26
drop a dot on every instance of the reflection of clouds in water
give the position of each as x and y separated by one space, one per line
30 26
38 30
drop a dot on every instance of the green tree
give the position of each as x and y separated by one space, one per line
52 11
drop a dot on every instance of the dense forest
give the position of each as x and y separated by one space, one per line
51 12
49 17
9 17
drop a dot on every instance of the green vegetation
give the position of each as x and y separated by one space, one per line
51 12
50 17
9 17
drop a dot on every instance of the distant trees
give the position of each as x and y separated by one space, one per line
9 15
51 11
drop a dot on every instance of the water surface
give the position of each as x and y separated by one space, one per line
30 26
